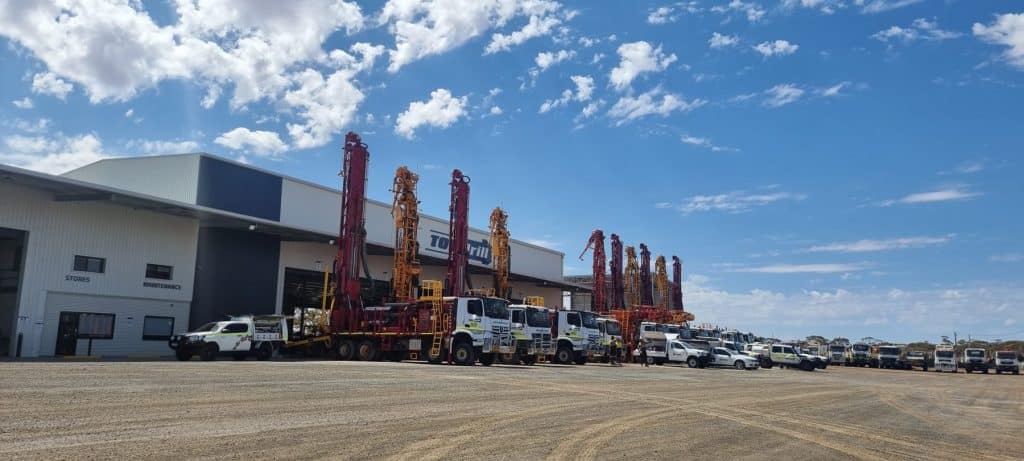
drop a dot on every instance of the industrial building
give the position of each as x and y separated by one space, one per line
114 257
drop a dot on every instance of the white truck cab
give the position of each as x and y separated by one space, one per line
726 357
482 329
975 359
572 339
531 328
240 336
945 358
836 354
1007 361
610 330
890 357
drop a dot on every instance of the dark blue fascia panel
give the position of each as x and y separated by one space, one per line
236 274
229 187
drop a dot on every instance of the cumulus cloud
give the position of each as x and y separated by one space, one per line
705 143
949 194
776 48
157 147
49 83
867 245
780 95
637 58
753 11
23 103
737 201
1006 30
584 90
52 154
653 102
920 29
881 6
441 111
547 59
718 40
833 90
263 143
800 269
670 13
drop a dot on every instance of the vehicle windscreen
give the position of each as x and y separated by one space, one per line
207 327
538 318
495 308
944 354
613 328
659 328
861 347
589 320
672 329
915 354
837 349
975 353
889 351
1006 355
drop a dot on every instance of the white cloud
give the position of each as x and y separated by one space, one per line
881 6
157 147
547 59
754 12
53 155
718 40
495 110
441 111
638 58
1006 30
734 202
590 110
544 242
833 90
23 103
537 27
705 143
920 29
588 42
1007 258
326 105
801 269
825 6
584 90
262 143
653 102
41 125
49 83
780 95
956 193
671 13
776 48
864 246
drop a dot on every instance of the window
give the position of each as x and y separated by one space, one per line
157 271
95 326
572 318
235 328
777 349
496 308
90 264
157 328
475 307
518 316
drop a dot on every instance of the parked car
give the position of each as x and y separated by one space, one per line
723 357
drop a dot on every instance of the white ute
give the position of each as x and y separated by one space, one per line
673 350
724 357
240 336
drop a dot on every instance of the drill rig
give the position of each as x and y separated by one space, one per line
404 208
501 252
647 295
346 302
597 301
615 266
458 235
661 281
631 274
677 284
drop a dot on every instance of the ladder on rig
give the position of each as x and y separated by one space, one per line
430 291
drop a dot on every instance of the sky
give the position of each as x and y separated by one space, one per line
831 167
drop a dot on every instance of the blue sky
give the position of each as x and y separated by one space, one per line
847 167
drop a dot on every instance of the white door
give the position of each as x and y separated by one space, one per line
722 357
235 337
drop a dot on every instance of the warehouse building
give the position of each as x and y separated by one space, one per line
112 258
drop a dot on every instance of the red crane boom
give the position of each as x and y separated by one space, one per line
351 234
646 288
458 235
615 266
597 301
677 284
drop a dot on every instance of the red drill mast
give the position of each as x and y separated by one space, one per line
597 302
615 266
351 235
458 235
677 284
646 289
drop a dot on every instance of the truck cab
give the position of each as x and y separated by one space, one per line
913 359
786 355
610 330
859 355
836 354
531 328
240 337
945 358
1007 361
975 359
890 357
482 329
570 336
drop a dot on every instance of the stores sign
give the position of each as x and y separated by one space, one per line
479 250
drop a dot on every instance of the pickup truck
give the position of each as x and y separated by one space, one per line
723 357
786 356
1007 361
240 337
673 350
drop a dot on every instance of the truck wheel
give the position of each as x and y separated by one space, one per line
529 359
346 349
435 359
998 371
581 358
209 352
463 354
183 355
767 363
367 351
563 355
1017 371
264 352
806 366
692 362
486 359
984 371
739 365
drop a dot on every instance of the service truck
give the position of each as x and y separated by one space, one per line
836 354
974 359
573 333
890 357
859 355
917 359
1007 361
611 331
787 356
945 358
671 349
531 328
240 337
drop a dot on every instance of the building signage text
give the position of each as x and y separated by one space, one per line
479 250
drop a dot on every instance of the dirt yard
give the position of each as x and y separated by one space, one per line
354 410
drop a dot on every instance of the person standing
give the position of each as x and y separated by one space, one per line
643 353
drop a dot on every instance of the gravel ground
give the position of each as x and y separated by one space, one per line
355 410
